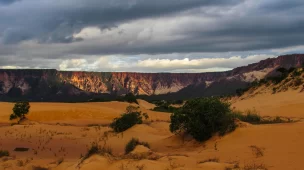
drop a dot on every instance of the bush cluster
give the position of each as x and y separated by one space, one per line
130 98
202 118
165 106
128 119
4 153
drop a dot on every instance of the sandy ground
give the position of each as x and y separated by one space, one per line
79 113
58 135
289 104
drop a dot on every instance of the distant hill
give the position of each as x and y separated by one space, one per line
53 85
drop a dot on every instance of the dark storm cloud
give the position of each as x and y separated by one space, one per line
57 22
34 31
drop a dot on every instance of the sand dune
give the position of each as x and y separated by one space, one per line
289 103
58 132
79 113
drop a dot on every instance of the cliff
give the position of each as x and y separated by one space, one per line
50 83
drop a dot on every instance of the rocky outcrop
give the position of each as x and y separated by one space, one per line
50 82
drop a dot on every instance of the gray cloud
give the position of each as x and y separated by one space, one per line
7 2
34 32
56 22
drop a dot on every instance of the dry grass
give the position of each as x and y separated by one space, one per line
255 166
215 159
249 166
257 151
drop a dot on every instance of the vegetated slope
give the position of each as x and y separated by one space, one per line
281 95
53 85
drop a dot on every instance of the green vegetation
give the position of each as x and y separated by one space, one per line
252 116
285 76
203 117
133 143
128 119
130 98
169 109
165 106
20 110
4 153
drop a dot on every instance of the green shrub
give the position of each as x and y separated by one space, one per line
164 106
20 110
203 117
169 109
250 116
4 153
130 98
128 119
133 143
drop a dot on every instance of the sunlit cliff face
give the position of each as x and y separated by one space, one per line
50 81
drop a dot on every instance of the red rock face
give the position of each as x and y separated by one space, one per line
138 83
122 82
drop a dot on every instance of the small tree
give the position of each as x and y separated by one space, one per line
130 98
203 117
128 119
20 110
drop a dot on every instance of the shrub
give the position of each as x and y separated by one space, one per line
96 149
250 116
297 82
4 153
130 98
203 117
21 149
274 90
20 110
164 106
128 119
133 143
169 109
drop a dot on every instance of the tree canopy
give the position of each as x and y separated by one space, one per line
20 110
203 117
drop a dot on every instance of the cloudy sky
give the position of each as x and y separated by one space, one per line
147 36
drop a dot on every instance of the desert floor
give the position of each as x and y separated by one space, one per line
59 134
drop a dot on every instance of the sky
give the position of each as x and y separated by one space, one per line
147 36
